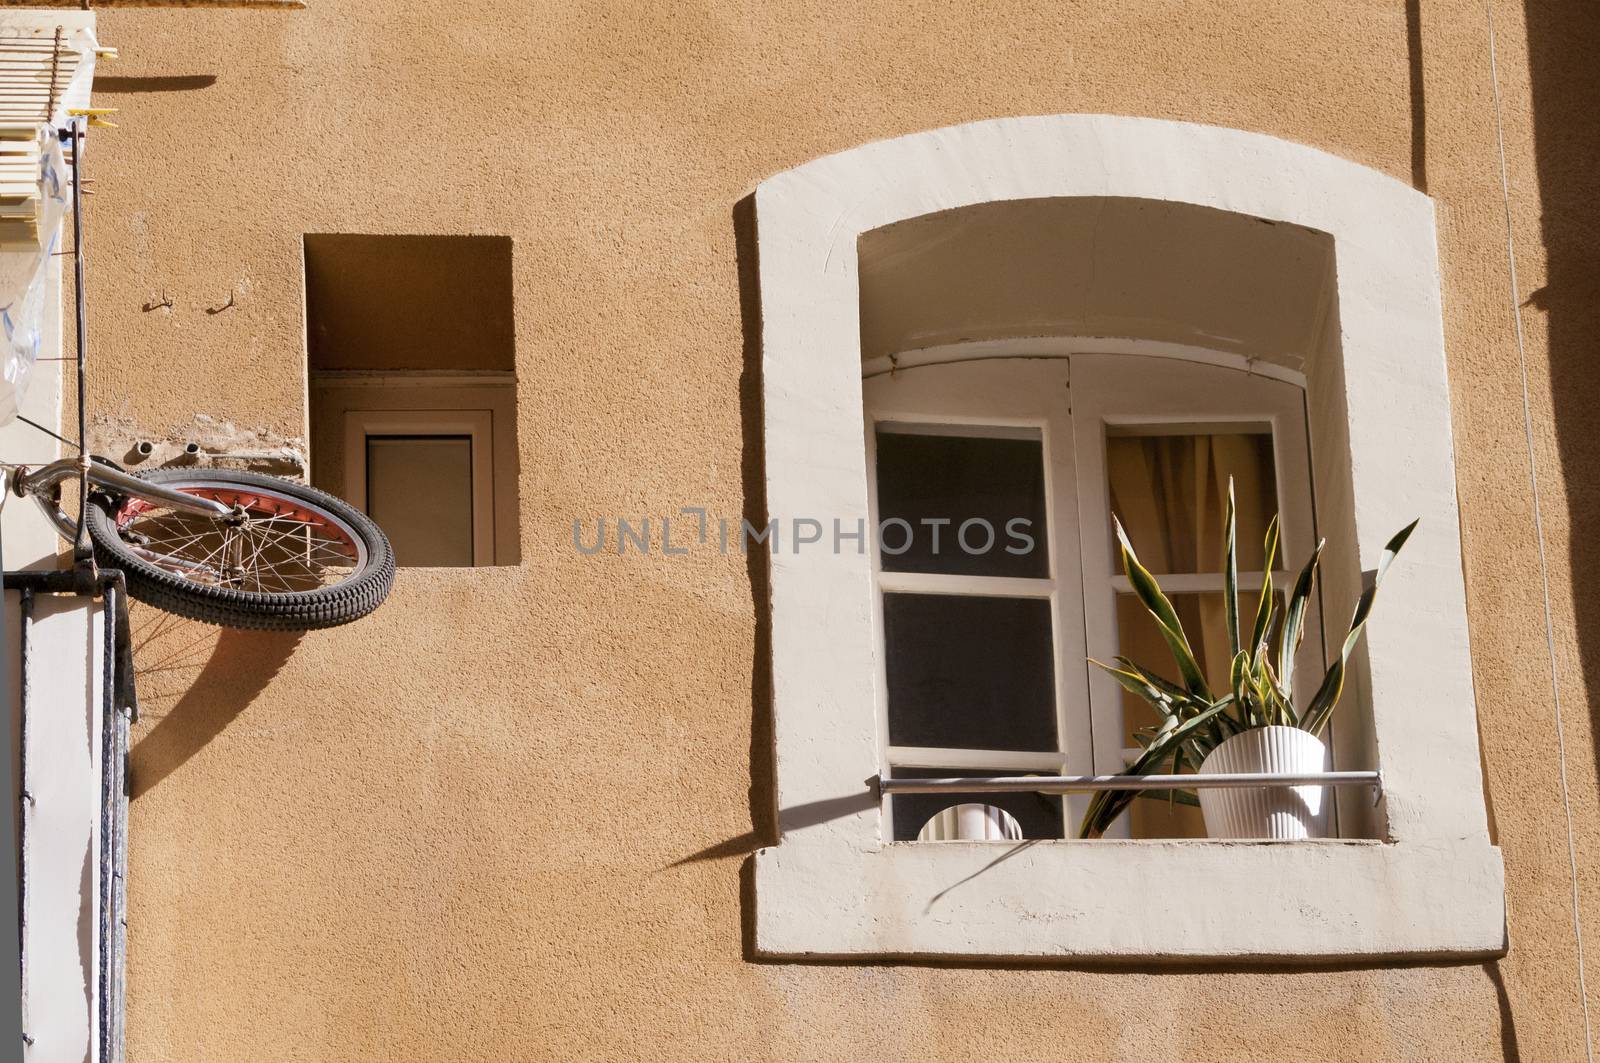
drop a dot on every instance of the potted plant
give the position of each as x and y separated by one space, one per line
1248 723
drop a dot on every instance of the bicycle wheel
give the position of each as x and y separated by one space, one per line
298 559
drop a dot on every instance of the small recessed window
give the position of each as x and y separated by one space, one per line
403 469
411 349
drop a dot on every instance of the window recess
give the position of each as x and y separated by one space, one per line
411 354
1161 242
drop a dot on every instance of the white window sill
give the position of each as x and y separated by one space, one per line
1132 900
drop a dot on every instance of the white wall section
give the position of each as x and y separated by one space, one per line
62 855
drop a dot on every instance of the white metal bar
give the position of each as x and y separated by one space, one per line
979 759
988 586
958 430
1062 784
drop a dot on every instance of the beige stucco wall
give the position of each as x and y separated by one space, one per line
506 817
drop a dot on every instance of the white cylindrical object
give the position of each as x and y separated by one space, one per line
971 823
1280 812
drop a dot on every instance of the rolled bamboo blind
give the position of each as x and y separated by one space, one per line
45 75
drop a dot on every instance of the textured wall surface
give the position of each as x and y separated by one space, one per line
410 839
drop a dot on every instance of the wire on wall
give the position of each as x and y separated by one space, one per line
1538 522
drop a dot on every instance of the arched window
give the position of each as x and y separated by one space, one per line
1066 316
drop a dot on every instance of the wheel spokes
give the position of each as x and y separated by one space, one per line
276 547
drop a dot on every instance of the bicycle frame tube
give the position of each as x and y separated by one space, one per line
40 481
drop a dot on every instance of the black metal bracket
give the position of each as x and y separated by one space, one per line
92 583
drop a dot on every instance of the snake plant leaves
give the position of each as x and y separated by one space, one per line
1320 708
1294 621
1107 805
1230 570
1260 693
1160 607
1172 690
1136 683
1171 797
1267 606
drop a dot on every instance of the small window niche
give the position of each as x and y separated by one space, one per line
411 350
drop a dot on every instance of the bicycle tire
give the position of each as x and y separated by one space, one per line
348 600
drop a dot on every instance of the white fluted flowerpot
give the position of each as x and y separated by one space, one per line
971 823
1283 812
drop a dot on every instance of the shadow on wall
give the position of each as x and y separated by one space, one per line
753 480
1563 40
752 476
763 792
1509 1048
193 682
167 83
1419 98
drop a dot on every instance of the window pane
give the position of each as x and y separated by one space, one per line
1171 493
969 672
419 490
1038 814
989 482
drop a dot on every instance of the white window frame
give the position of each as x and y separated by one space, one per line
1019 394
476 425
1070 403
1432 885
1127 391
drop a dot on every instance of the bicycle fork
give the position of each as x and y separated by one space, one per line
41 483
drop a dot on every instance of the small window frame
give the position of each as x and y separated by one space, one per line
346 405
476 425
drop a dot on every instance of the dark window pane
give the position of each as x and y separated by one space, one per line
969 672
1038 814
996 484
1171 494
419 490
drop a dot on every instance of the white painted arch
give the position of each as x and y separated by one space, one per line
1431 885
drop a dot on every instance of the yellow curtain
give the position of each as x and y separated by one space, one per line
1170 492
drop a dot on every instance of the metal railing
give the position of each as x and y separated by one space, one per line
1066 784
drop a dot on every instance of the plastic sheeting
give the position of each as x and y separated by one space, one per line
26 299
